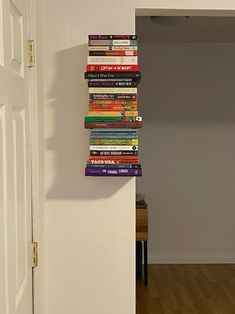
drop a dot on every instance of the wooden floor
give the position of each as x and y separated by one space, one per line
186 289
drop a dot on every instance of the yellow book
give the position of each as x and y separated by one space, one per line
112 90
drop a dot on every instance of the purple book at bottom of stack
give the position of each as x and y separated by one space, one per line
109 172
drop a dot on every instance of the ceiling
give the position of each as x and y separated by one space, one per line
181 29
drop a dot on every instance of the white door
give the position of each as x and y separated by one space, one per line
15 176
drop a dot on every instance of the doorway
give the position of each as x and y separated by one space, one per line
186 97
16 145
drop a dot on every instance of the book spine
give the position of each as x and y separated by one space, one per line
113 147
112 68
114 137
113 84
113 124
127 166
112 90
105 37
118 102
111 119
106 141
113 96
112 42
113 153
105 158
113 161
113 134
112 60
111 108
122 134
119 130
113 172
114 80
112 75
113 53
112 48
122 113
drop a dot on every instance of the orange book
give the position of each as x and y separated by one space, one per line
113 113
104 107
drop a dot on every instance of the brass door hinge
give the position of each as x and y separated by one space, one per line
34 254
31 53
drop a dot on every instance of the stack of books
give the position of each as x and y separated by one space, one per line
113 76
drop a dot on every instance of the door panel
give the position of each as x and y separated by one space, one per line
15 156
3 213
21 232
16 32
1 34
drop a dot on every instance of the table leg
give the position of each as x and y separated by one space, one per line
145 263
139 254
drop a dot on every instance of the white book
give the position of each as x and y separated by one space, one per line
112 60
123 42
112 90
113 147
112 48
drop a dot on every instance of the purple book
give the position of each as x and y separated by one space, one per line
113 172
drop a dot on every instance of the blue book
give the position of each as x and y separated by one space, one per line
113 136
114 130
125 166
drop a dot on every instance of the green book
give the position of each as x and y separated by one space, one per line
108 118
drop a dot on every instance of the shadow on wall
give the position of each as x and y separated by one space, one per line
69 143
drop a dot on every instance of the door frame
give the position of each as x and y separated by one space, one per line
184 12
37 157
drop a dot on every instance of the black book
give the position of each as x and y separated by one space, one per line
105 75
113 153
130 37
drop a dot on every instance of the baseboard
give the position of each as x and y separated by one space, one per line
190 260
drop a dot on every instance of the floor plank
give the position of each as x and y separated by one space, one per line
187 289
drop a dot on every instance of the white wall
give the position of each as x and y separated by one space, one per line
187 99
89 222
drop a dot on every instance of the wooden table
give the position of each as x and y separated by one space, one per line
142 233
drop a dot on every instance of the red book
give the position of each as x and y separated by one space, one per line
114 124
113 108
114 157
112 68
113 161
